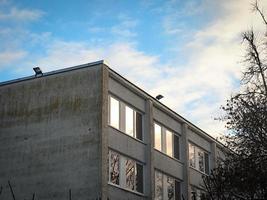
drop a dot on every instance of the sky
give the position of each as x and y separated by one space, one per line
189 51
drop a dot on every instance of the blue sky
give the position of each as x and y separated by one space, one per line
188 51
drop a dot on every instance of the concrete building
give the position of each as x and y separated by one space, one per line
86 132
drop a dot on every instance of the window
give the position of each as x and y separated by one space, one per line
114 116
114 172
125 172
157 137
198 159
166 187
166 141
170 188
158 185
125 118
192 160
129 121
201 160
169 143
197 194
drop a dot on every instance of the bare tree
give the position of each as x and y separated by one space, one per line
243 174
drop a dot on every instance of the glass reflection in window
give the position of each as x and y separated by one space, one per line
114 168
114 117
130 174
157 136
192 161
158 186
129 121
169 143
201 161
170 188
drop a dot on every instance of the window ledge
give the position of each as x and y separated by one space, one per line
127 190
168 156
127 135
203 173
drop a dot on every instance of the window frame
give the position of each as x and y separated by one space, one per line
122 173
197 191
123 121
109 112
206 163
164 178
163 150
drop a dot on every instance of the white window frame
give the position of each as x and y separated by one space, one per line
122 172
122 118
196 158
164 184
109 112
164 141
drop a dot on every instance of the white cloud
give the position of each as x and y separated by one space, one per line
122 56
180 88
196 89
215 54
61 54
8 57
125 28
16 14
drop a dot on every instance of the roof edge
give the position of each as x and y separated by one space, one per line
160 104
53 72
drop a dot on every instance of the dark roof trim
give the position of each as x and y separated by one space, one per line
53 72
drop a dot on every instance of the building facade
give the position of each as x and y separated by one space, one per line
86 132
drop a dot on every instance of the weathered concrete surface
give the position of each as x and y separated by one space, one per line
116 193
49 136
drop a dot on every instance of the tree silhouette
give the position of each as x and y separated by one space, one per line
243 174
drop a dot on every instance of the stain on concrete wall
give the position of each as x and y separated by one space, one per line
49 136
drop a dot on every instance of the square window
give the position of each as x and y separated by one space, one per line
125 118
125 172
166 187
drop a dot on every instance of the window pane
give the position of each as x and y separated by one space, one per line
177 190
176 147
192 161
207 166
170 188
114 171
193 193
130 174
139 178
158 186
201 160
138 125
129 121
157 135
114 113
169 143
